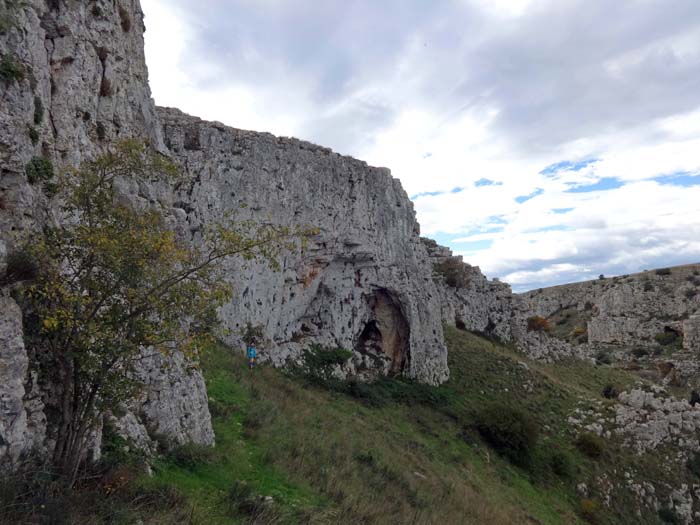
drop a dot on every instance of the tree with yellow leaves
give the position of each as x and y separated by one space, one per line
114 282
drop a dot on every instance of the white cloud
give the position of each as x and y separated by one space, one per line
446 94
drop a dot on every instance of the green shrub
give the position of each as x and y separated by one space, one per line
33 135
604 358
694 398
21 266
454 271
320 361
668 515
610 392
640 351
591 445
562 464
538 324
250 333
667 338
38 110
648 287
693 464
39 169
589 509
510 431
663 271
10 69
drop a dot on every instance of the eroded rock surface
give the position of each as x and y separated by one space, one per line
363 283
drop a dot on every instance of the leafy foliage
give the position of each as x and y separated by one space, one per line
509 430
39 169
693 464
454 271
10 69
591 445
669 338
610 392
320 362
20 267
114 281
38 110
252 333
538 324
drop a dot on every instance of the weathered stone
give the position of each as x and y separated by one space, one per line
363 283
13 369
691 334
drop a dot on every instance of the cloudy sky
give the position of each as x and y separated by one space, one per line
547 141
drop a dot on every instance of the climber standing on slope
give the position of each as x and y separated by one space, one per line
252 354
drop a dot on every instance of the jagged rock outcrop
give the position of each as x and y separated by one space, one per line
691 334
627 310
74 79
13 371
468 299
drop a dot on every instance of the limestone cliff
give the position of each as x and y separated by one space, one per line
75 81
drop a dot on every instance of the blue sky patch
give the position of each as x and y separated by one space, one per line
525 198
607 183
456 189
560 211
487 182
683 178
557 228
427 194
567 165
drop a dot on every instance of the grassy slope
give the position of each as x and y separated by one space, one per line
401 454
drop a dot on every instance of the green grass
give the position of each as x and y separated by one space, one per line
393 451
390 452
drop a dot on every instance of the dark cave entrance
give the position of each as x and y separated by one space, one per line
387 332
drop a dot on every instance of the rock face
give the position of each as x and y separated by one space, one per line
363 283
468 300
13 371
691 334
74 80
628 310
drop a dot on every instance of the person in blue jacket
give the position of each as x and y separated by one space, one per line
252 353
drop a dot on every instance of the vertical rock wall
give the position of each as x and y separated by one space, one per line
366 271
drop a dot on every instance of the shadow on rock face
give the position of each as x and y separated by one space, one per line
387 332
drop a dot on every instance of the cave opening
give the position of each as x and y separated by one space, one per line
387 332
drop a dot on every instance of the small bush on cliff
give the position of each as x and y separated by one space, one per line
693 464
668 515
669 338
39 169
10 69
114 283
320 361
538 324
510 431
663 271
454 271
21 266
